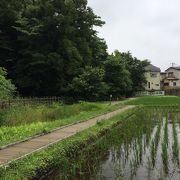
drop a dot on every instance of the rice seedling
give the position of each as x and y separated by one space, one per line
154 144
165 147
153 153
166 132
165 156
175 146
140 150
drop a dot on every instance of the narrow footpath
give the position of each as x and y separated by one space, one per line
23 149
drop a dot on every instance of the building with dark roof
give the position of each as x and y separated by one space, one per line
153 78
171 78
176 68
151 68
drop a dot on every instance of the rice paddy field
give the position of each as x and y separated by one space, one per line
140 144
145 147
156 101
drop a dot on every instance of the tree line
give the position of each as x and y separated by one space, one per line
50 48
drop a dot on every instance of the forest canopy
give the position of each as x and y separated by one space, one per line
50 48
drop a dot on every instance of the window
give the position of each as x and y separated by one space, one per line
170 74
174 83
157 84
149 85
153 75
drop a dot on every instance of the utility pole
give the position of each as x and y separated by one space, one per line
110 98
173 64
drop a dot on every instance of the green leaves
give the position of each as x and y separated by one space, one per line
50 47
117 75
7 89
48 42
90 83
25 26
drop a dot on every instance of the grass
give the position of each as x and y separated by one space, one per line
57 155
81 112
130 142
20 115
156 101
21 123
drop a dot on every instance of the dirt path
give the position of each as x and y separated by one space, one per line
22 149
123 101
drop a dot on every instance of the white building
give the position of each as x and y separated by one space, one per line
153 78
171 78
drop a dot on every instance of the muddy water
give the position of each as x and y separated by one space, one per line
126 152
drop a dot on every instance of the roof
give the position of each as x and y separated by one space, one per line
152 68
177 68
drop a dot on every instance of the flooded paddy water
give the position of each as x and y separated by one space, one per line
146 146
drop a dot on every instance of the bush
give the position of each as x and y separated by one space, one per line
90 84
7 89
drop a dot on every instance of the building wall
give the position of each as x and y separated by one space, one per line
153 80
176 73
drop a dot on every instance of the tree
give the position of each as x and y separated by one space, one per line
9 13
44 44
136 68
7 89
90 84
48 45
117 75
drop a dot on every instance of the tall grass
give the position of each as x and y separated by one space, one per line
20 115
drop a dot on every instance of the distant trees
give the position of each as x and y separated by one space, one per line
50 48
124 74
136 68
120 75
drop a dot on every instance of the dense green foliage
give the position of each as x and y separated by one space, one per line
50 48
7 89
90 84
117 74
45 43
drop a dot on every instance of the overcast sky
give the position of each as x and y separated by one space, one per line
150 29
